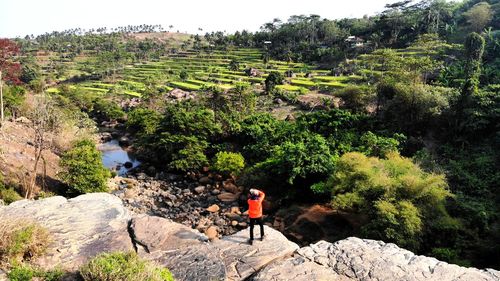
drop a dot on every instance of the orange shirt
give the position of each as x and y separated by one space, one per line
255 206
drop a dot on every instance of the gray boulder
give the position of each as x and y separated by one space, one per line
80 227
363 259
159 234
242 260
198 262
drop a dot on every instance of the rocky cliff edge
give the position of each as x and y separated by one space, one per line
87 225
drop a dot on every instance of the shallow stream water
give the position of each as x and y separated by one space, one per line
114 157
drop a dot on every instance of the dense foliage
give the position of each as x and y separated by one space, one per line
405 133
83 170
402 201
228 163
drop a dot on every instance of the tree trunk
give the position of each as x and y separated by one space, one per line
1 98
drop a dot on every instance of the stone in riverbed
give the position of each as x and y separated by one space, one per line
130 193
200 189
229 186
212 233
124 141
205 181
235 210
228 197
214 208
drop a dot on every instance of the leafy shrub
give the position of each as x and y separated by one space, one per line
228 162
83 170
143 120
445 254
21 241
107 110
183 75
27 273
122 266
306 154
374 145
234 65
9 195
410 107
356 98
400 198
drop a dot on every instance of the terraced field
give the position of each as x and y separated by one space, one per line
200 70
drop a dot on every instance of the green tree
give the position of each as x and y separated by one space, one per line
273 79
234 65
143 121
82 168
479 16
181 137
183 75
304 155
107 109
474 48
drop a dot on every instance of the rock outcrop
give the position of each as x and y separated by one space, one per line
80 227
87 225
363 259
242 259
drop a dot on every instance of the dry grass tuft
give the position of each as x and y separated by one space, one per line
21 241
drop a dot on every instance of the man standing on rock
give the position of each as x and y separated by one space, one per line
255 212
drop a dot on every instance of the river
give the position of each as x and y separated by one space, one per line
114 156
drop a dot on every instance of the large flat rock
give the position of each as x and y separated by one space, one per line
363 259
151 234
242 260
298 269
80 227
181 249
199 262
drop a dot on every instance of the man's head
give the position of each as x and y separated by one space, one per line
254 194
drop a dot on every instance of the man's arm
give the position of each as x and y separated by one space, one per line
261 196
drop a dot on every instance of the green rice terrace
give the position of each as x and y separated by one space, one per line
192 70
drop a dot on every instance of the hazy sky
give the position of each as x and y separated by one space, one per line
21 17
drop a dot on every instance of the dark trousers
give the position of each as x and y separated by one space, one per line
252 223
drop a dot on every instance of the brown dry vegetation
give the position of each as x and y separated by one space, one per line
22 241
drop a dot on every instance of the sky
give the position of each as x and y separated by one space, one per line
21 17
